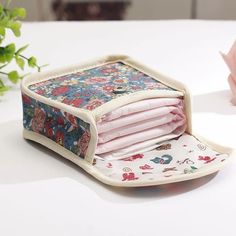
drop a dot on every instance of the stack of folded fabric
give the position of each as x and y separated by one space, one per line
139 125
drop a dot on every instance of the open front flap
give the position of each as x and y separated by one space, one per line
177 159
146 143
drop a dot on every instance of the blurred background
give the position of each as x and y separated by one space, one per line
47 10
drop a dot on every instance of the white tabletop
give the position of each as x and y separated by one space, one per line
42 194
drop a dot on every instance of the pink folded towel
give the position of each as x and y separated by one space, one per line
132 118
139 137
139 122
142 105
137 127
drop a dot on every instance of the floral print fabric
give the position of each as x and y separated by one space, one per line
63 128
179 156
91 88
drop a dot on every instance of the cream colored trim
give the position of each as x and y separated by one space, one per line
212 145
101 177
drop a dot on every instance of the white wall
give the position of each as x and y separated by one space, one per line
147 9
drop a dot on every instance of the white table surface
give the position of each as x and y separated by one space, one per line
41 194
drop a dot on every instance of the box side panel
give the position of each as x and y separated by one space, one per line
63 128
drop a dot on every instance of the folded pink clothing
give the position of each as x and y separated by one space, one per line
122 121
141 146
142 105
137 127
128 140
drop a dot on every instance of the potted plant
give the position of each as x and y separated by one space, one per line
10 21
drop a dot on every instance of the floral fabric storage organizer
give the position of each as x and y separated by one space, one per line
120 121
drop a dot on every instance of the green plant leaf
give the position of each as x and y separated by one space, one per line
10 48
2 55
9 52
4 89
20 50
32 62
20 62
15 27
9 22
18 12
13 76
2 31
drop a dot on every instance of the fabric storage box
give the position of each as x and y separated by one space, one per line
120 121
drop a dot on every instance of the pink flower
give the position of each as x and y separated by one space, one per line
136 87
40 92
108 88
230 60
120 81
92 104
60 90
109 70
95 80
38 119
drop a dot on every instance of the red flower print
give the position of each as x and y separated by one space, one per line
83 143
145 167
120 81
72 119
60 138
207 159
60 121
49 132
60 90
76 102
48 127
109 70
93 104
66 101
129 176
40 92
108 88
97 80
109 165
26 99
38 119
134 157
